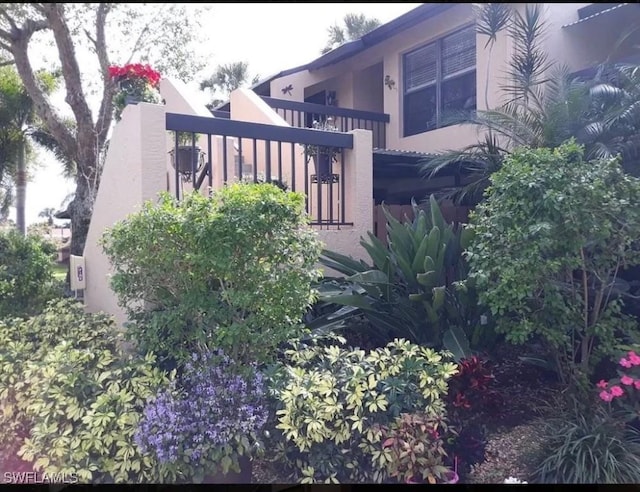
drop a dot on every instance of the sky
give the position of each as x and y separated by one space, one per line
269 36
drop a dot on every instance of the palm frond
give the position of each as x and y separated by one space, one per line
43 138
491 18
529 62
477 162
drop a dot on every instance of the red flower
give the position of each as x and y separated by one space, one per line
602 384
133 71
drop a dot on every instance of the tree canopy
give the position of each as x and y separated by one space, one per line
225 79
81 41
354 26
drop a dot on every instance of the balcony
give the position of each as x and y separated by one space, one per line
228 150
302 115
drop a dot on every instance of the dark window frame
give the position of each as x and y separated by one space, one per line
438 82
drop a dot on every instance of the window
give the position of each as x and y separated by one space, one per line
439 79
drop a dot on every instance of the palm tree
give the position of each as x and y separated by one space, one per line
227 78
16 110
47 213
545 106
17 120
355 26
615 127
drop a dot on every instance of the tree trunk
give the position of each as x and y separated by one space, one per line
80 211
21 191
87 180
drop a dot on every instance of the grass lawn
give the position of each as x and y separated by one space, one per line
60 271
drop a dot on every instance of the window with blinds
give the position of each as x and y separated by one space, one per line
439 79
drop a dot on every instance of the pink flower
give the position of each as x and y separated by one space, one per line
625 363
602 384
636 384
606 396
616 391
634 358
626 380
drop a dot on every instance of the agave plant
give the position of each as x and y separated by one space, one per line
416 287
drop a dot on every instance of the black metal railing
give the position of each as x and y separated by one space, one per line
221 114
239 150
302 115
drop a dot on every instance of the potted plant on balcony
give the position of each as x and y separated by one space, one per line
187 154
136 83
323 157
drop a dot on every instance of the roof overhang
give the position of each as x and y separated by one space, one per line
62 214
398 163
351 48
618 9
380 34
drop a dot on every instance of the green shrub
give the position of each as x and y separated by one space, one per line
26 274
549 242
333 405
232 272
28 341
74 396
589 448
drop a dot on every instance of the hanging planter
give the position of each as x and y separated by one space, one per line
322 157
186 158
323 163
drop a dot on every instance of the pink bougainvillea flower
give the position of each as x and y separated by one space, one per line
634 358
625 363
616 391
606 396
626 380
636 384
602 384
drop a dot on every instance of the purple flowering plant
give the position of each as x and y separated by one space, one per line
212 414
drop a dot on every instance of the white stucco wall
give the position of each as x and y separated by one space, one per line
359 195
134 171
137 169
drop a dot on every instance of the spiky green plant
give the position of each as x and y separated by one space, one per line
415 287
589 448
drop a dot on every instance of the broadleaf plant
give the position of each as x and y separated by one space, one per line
550 240
415 287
